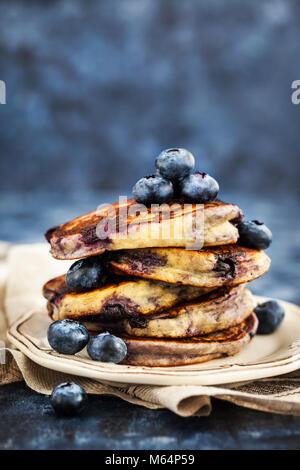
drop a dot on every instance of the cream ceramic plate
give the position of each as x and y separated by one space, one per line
265 356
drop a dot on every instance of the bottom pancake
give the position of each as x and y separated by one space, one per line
156 352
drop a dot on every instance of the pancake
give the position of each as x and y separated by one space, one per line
209 267
218 310
123 226
155 352
127 298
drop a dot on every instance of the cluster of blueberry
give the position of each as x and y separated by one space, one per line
69 337
174 180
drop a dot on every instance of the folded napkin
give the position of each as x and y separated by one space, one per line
23 271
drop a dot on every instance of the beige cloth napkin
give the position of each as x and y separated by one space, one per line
23 271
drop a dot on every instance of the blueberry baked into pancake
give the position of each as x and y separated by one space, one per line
121 298
209 267
145 296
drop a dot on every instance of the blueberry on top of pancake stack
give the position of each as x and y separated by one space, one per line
167 302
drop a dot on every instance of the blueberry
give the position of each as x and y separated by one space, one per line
254 234
86 274
107 348
67 336
270 315
199 187
68 399
153 189
175 164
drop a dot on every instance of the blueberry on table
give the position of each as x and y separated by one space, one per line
270 315
153 189
175 163
254 234
68 399
67 336
86 274
107 348
199 188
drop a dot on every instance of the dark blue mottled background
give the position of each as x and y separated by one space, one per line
96 89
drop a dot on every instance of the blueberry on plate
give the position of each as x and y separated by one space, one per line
175 163
107 348
254 234
67 336
153 189
199 188
270 315
86 274
68 399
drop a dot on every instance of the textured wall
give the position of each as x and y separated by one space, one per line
95 89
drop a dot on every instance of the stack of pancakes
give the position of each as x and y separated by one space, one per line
171 305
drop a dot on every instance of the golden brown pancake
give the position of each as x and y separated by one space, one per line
155 352
209 267
219 310
127 298
81 237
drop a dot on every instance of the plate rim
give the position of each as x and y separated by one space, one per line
229 373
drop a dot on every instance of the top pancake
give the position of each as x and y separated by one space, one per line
125 226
